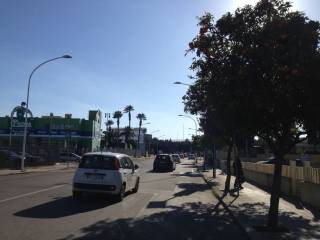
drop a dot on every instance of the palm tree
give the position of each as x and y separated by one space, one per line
118 115
141 117
109 124
128 134
128 109
109 134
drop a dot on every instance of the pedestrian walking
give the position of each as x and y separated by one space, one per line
239 176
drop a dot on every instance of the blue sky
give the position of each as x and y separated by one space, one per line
124 52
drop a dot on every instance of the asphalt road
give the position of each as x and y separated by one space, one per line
175 205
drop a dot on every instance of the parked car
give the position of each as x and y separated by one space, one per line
69 157
10 155
271 160
105 172
164 162
176 158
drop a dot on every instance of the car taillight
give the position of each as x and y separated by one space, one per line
116 164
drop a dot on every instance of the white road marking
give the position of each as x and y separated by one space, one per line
31 193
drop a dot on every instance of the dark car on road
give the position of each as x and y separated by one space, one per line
164 162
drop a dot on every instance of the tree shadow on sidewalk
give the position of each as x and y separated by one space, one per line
255 214
293 200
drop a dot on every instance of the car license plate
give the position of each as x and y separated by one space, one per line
95 176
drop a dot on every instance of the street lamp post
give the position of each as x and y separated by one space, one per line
158 143
195 122
151 138
145 141
27 107
194 129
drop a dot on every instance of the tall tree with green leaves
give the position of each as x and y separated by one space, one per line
117 115
141 117
256 71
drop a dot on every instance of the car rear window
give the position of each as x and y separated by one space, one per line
175 157
97 162
163 158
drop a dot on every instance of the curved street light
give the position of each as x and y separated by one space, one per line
181 83
27 107
155 131
158 138
195 122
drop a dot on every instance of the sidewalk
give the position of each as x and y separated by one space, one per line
251 207
56 167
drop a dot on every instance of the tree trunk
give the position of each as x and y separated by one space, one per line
227 183
275 194
118 123
138 142
214 161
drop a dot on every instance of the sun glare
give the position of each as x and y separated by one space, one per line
240 3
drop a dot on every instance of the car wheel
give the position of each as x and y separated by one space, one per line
136 187
120 195
76 194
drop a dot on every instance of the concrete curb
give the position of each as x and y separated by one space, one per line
215 192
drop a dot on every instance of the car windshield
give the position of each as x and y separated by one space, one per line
97 162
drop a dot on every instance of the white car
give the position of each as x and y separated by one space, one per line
105 172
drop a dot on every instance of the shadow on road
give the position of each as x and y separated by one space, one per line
186 174
168 177
190 188
65 206
188 221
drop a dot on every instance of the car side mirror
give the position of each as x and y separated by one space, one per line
136 166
